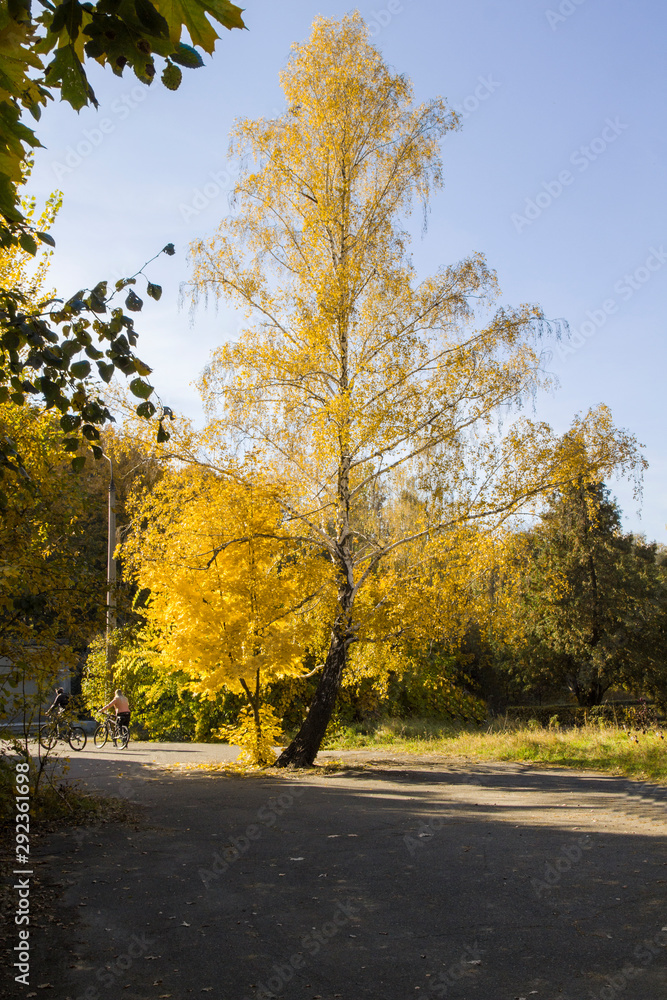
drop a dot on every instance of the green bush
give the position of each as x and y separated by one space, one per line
387 683
637 715
163 705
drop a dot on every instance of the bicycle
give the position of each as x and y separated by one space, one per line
62 730
110 729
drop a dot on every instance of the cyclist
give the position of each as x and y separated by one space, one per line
61 701
122 706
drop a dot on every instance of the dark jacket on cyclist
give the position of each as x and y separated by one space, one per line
61 701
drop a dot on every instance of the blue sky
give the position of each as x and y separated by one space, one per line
557 176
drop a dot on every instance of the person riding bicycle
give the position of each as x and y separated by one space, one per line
122 706
61 701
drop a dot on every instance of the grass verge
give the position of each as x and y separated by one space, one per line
589 747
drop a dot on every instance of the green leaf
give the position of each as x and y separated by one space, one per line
90 433
170 250
96 304
146 409
67 70
151 19
78 463
162 434
70 422
154 291
80 369
140 388
97 452
71 444
46 238
124 365
185 55
133 302
68 17
171 76
69 348
106 371
192 14
28 244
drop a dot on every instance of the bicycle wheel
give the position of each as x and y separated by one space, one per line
77 738
101 735
122 737
48 737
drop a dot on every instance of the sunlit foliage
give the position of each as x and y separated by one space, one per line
355 378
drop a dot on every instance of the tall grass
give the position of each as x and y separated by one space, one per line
589 747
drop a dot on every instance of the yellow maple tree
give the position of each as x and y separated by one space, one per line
233 600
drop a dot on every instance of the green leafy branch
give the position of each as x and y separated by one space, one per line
40 361
45 53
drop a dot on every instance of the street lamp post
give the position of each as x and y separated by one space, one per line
111 573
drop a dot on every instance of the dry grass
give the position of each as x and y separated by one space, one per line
591 747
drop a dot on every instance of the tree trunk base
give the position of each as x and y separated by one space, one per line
303 749
296 755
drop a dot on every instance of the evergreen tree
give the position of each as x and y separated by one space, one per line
592 600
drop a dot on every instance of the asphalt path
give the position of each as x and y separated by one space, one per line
396 877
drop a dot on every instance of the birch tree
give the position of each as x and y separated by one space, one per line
354 376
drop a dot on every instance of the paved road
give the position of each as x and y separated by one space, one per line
92 762
387 880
